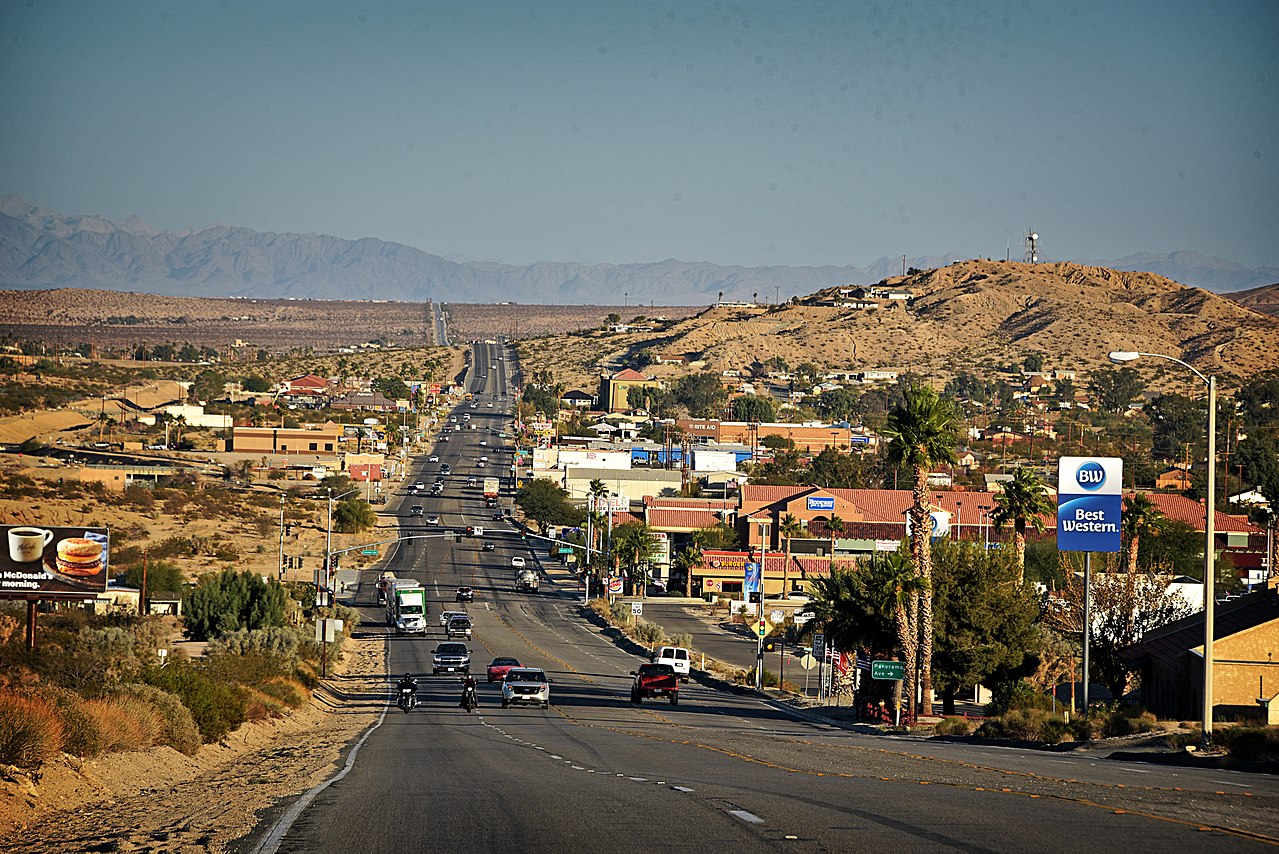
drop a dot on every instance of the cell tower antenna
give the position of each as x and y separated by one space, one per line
1032 246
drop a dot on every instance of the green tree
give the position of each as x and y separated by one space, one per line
392 387
986 618
834 470
634 547
834 527
921 434
1140 515
719 537
1177 423
231 600
701 394
353 515
790 528
255 384
546 503
1025 501
750 407
1115 389
685 561
162 576
902 585
1033 362
840 404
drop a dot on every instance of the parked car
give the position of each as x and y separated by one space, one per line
527 685
464 594
499 667
655 680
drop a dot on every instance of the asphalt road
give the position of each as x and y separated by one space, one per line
735 772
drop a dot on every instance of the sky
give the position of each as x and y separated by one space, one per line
740 133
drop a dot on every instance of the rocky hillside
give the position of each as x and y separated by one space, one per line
1264 299
989 312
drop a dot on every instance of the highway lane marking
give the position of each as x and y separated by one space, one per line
746 816
681 788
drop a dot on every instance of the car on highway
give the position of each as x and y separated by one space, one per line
458 627
528 686
433 458
420 485
500 666
445 468
517 562
415 510
472 481
445 616
451 657
484 443
655 680
464 594
479 464
484 458
432 520
413 490
487 546
489 405
676 656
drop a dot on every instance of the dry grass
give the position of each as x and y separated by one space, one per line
31 731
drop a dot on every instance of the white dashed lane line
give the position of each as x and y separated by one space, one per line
749 817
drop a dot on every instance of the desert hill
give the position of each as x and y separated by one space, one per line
1264 299
970 314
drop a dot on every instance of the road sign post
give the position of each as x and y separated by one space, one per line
1089 519
819 652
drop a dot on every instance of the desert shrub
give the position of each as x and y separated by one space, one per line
288 691
82 735
619 612
649 634
1026 725
126 723
231 600
216 707
1087 727
1015 694
683 639
260 706
274 643
31 732
953 726
177 728
770 678
1253 743
1129 720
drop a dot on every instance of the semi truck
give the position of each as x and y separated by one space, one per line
525 581
407 610
490 487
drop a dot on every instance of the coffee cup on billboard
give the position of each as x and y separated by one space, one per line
26 545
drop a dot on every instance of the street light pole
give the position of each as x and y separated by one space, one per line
1210 534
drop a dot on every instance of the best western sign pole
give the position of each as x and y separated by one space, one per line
1090 507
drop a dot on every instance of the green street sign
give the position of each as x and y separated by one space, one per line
566 550
888 670
369 552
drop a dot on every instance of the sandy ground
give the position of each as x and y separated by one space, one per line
162 801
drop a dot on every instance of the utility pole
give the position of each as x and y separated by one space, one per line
280 565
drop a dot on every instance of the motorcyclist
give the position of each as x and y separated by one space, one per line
468 691
408 683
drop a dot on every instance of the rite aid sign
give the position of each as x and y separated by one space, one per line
1089 504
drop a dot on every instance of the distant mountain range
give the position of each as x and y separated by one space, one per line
40 248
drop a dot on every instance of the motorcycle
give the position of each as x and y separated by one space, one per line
408 699
469 700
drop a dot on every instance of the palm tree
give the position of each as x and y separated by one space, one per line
634 545
835 527
921 434
686 560
790 529
1025 501
902 587
1140 516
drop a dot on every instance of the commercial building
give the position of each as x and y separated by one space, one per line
615 388
321 440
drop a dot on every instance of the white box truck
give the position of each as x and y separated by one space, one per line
410 611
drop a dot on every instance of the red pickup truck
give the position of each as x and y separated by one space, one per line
655 680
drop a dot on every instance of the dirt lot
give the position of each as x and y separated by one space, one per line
162 801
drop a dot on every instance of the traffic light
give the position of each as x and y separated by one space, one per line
753 596
770 645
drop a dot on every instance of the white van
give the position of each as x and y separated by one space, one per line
676 657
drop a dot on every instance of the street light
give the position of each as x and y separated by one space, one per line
1210 509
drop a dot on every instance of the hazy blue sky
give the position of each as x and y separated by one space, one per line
734 132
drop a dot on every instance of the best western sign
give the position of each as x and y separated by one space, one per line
1089 504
